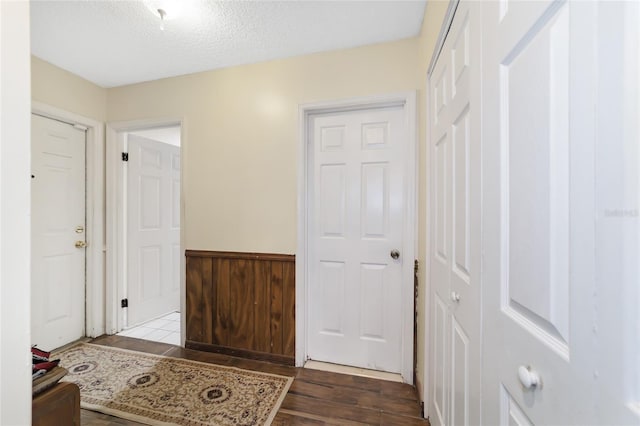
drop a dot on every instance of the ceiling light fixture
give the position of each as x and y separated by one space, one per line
167 10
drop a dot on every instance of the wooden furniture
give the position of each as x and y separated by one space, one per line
58 405
241 304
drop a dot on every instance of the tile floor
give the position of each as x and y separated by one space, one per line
165 329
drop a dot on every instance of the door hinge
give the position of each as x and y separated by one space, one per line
125 156
124 303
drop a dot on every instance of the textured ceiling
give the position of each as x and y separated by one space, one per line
113 43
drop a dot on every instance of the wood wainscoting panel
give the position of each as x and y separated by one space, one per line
289 309
194 298
208 299
275 316
241 303
220 293
262 307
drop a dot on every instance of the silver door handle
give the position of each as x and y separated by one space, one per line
395 254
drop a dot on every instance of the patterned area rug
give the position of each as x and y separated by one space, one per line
160 390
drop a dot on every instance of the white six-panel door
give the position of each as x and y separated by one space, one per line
57 223
557 173
454 238
153 236
538 213
357 201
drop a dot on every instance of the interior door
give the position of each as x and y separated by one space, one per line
357 201
538 210
454 214
57 232
153 229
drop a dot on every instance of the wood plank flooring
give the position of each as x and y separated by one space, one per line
315 397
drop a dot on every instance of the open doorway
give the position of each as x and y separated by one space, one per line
149 221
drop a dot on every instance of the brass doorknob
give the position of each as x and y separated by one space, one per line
81 244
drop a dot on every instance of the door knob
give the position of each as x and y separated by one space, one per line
395 254
528 377
81 244
455 296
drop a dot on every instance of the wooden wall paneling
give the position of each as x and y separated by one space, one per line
194 298
241 255
276 307
262 306
208 299
289 309
221 327
241 304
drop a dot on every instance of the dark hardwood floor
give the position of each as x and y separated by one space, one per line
315 397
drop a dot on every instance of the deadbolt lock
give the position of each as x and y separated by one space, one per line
79 229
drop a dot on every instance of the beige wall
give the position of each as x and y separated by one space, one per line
431 24
241 145
241 134
59 88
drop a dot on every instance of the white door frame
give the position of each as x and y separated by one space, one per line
116 220
408 101
94 279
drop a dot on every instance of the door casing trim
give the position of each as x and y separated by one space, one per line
94 278
408 101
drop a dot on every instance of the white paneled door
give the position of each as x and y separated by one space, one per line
357 201
454 215
538 226
57 232
533 220
153 229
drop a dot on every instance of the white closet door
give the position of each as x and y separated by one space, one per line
454 263
538 195
558 215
